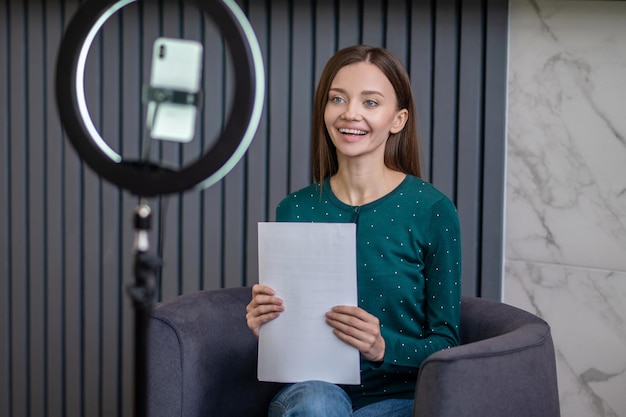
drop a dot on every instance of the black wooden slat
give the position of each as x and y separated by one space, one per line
234 197
397 30
446 70
212 110
91 294
36 210
494 149
72 297
112 294
126 314
18 243
55 145
469 190
420 69
301 97
170 276
5 174
324 35
191 237
212 232
373 23
278 103
348 23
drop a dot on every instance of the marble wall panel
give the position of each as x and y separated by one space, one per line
585 308
565 248
566 183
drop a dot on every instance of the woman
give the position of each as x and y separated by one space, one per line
366 168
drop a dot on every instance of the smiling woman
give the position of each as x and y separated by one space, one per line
408 239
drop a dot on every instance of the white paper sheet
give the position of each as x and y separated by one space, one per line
312 267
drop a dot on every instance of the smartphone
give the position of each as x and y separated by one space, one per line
176 66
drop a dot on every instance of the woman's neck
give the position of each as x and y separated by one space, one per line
357 186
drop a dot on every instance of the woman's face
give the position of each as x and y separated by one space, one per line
361 111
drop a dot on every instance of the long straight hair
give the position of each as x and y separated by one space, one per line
402 148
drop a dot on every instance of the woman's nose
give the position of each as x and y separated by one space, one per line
351 112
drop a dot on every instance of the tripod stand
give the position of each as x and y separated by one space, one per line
143 296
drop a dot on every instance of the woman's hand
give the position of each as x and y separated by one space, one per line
358 328
263 307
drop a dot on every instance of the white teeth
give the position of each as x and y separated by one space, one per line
352 131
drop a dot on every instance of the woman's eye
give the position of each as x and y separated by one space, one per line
370 103
336 99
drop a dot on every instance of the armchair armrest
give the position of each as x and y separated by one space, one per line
202 358
506 367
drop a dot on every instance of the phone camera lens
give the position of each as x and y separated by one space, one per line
162 51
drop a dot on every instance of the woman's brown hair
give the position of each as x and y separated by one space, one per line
402 148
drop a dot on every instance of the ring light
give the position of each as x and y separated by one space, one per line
150 179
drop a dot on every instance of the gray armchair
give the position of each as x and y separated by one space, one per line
203 362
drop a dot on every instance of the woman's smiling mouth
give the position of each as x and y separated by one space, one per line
352 131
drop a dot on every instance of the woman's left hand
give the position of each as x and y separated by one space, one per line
358 328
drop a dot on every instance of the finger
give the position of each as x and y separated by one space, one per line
255 321
354 328
259 289
354 311
262 294
360 343
261 300
262 309
368 340
354 316
261 315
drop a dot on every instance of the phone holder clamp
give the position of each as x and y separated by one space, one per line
167 95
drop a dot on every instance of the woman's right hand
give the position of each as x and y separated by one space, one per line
263 307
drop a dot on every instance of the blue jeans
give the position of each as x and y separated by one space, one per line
322 399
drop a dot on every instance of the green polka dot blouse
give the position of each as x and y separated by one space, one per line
408 272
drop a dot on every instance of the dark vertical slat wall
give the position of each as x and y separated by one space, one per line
66 238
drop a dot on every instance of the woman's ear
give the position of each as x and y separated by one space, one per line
399 121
